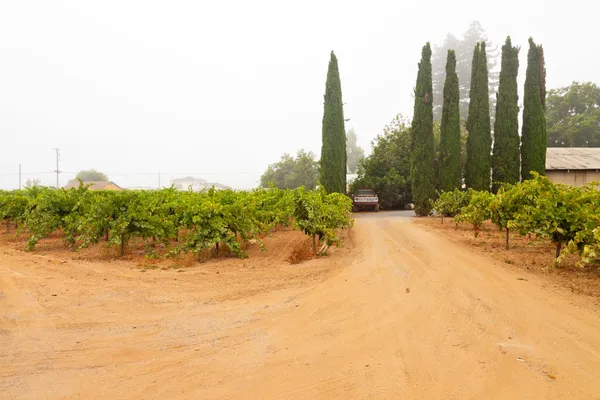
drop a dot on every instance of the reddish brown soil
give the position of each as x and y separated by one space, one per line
405 311
525 254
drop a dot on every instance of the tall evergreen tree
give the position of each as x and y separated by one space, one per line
506 158
479 142
533 137
333 150
422 171
450 129
463 46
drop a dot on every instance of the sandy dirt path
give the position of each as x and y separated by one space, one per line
410 316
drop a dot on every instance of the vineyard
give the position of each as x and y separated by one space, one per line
568 216
169 222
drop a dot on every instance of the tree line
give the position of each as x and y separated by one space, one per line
511 159
449 142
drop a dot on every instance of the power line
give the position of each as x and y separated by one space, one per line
171 173
133 173
25 173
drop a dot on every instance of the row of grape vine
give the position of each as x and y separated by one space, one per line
567 215
170 220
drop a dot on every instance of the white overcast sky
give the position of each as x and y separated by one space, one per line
220 89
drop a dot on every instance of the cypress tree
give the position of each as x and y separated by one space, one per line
450 129
333 150
533 137
479 141
422 171
506 157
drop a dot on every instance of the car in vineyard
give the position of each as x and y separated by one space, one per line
365 199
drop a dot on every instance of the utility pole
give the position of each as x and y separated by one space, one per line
159 181
19 176
57 169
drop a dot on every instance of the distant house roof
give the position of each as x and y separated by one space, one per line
94 185
581 158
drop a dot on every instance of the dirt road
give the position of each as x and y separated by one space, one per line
409 316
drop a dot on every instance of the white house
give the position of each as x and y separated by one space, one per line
196 184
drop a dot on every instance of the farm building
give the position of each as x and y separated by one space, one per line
573 165
94 185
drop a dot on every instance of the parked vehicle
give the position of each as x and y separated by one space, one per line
365 199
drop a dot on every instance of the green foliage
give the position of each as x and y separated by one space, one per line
387 168
223 217
173 220
91 175
273 207
50 210
588 245
507 204
422 172
567 215
573 116
333 150
556 211
506 156
450 204
291 173
533 137
450 149
354 152
477 211
13 205
138 214
479 142
463 47
320 214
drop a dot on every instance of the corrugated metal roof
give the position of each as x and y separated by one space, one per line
583 158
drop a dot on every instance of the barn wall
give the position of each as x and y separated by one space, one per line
573 177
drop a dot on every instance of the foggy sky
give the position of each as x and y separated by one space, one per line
220 89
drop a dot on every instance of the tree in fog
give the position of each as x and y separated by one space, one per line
354 152
30 183
573 115
479 141
292 172
422 171
533 136
387 168
333 150
506 158
449 164
464 57
91 175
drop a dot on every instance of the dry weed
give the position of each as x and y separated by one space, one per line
302 251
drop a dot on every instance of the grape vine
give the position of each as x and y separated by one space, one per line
569 216
175 221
